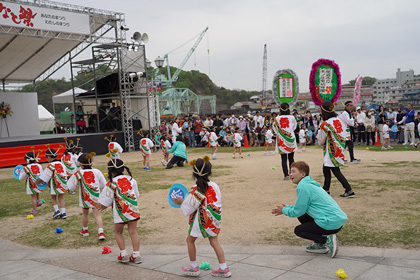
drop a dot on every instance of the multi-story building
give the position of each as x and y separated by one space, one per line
382 88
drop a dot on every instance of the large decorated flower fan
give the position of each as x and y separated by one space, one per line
357 89
285 87
325 81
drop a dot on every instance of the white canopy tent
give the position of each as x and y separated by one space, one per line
46 120
66 97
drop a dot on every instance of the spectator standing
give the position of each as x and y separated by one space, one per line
392 116
370 126
176 129
189 132
198 127
361 129
400 121
218 124
163 128
348 120
258 120
409 125
380 121
226 121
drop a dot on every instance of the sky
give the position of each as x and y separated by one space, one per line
366 37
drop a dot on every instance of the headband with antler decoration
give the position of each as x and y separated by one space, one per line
77 144
113 159
111 138
195 169
89 158
56 152
140 132
36 159
69 144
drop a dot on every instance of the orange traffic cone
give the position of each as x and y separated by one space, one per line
246 144
208 144
377 141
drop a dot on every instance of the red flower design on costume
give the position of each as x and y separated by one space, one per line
211 195
338 127
284 122
67 157
35 169
124 185
59 168
111 146
328 89
89 177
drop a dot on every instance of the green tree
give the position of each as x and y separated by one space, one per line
366 81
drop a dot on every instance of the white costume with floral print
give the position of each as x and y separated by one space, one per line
269 136
237 140
70 163
332 135
205 211
146 146
284 126
122 194
90 182
56 176
165 146
113 146
29 173
213 139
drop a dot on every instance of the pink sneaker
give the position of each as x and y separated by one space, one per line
191 271
39 203
33 212
221 273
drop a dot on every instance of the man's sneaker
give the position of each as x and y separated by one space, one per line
123 259
404 144
56 214
135 259
317 248
332 244
286 178
221 273
191 271
180 164
383 148
389 147
349 194
101 236
33 212
169 166
39 203
63 216
355 160
84 232
415 146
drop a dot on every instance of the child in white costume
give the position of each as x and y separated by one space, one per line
165 145
146 146
203 205
29 174
213 143
302 139
385 133
269 141
90 181
122 192
68 158
113 145
237 138
56 176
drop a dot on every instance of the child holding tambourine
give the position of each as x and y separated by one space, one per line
203 205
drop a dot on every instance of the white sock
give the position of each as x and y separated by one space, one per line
123 253
100 230
136 254
63 210
223 266
193 264
55 208
214 154
84 228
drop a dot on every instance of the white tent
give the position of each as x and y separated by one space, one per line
46 120
67 97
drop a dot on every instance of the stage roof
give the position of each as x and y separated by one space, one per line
44 44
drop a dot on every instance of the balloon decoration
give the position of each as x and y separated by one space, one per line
325 81
285 87
357 89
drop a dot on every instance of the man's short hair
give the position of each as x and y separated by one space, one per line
348 102
301 166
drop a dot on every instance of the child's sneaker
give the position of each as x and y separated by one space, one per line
271 153
299 150
163 162
332 244
57 214
144 167
389 147
383 148
265 153
221 273
233 156
33 212
241 156
123 259
63 216
39 203
101 236
147 168
317 248
84 232
191 271
135 259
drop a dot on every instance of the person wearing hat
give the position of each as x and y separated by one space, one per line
361 129
370 126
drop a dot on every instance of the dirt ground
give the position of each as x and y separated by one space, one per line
250 189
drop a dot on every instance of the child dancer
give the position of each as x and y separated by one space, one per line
113 145
302 138
385 133
56 177
213 143
68 158
165 145
317 212
77 152
269 141
29 174
122 192
237 138
204 208
146 146
90 180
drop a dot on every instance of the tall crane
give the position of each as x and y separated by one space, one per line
264 78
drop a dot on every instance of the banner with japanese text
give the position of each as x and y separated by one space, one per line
33 17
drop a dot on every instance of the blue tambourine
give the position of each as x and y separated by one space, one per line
177 190
394 128
17 171
310 133
185 124
43 185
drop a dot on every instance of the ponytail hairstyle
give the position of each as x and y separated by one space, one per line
85 160
284 109
327 111
201 172
117 167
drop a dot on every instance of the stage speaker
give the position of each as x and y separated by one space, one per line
137 125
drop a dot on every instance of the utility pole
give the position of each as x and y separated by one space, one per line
264 77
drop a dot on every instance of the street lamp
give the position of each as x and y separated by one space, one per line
148 63
159 62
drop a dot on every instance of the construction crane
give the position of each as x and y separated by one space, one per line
171 79
264 78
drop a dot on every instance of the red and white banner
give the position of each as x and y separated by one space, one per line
357 89
33 17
